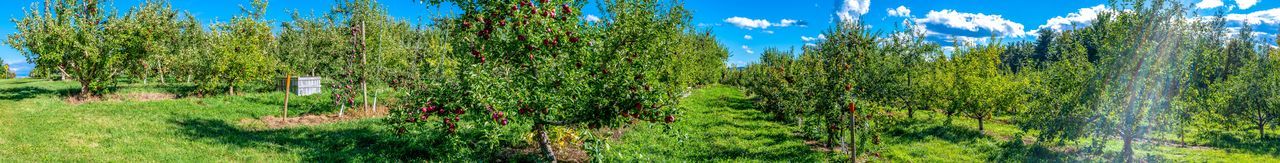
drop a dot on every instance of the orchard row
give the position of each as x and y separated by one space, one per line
1142 69
475 81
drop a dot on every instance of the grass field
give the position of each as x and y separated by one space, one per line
718 123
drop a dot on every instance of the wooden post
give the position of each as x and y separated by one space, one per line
853 120
288 85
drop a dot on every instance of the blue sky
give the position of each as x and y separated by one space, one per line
747 27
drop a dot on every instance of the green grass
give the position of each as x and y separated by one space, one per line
717 124
928 139
37 125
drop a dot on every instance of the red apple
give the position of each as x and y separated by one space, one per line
853 108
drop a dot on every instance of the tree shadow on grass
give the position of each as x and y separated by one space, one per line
732 102
1246 142
918 130
314 145
181 91
28 92
1016 151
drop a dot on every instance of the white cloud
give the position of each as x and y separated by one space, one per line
808 39
950 22
591 18
811 39
768 31
901 11
969 40
1081 17
749 23
1271 16
849 10
1234 32
1208 4
810 44
786 22
948 49
1245 4
748 37
747 49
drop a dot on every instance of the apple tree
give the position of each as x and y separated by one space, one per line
536 64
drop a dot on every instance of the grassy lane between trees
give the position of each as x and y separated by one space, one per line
716 123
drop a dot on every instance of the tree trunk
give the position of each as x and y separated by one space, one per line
231 88
1127 152
800 122
84 89
62 73
980 123
831 136
949 113
1262 131
364 91
161 72
1182 138
342 109
911 113
544 142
